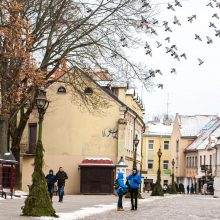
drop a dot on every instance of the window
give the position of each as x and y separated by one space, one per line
193 162
177 146
204 162
32 137
189 162
61 89
166 145
196 162
150 164
150 144
210 160
177 162
165 164
200 161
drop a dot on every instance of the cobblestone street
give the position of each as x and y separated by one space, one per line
91 207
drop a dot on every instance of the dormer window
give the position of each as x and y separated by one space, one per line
61 89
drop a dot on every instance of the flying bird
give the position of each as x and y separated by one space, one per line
147 46
209 40
174 47
170 7
177 3
190 19
197 37
158 44
217 33
168 29
167 39
158 71
176 56
212 25
149 52
153 32
169 50
124 44
143 20
200 61
88 10
215 16
155 21
146 4
183 55
210 4
217 4
173 70
160 86
176 21
152 73
165 23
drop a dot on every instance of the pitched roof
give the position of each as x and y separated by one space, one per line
158 129
207 136
191 125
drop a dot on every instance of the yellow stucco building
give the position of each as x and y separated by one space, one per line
157 136
84 142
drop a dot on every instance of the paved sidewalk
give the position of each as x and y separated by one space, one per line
95 207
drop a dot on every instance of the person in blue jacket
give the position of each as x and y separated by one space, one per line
50 178
134 181
121 190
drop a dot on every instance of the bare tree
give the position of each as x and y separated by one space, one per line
82 34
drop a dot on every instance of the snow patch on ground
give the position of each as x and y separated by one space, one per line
88 211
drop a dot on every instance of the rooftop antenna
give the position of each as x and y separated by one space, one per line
167 104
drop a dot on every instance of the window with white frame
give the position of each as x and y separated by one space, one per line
177 145
165 164
196 162
166 145
150 164
177 162
150 144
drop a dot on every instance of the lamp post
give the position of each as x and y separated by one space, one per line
173 187
158 190
38 202
135 142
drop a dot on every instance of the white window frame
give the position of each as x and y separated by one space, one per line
166 164
152 143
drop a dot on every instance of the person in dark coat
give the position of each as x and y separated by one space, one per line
134 180
61 177
192 189
50 178
121 190
187 188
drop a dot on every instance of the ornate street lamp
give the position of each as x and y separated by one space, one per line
158 190
173 187
38 202
136 142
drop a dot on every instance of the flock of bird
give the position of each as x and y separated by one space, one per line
172 49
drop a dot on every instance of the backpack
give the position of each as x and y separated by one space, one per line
116 185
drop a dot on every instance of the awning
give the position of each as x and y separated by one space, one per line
97 161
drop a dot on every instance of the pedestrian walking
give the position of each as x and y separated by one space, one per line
51 179
192 189
187 188
135 181
61 177
121 190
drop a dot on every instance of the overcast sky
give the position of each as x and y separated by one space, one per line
194 89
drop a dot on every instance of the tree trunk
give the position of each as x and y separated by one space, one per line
16 133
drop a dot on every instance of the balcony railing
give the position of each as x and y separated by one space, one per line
206 168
